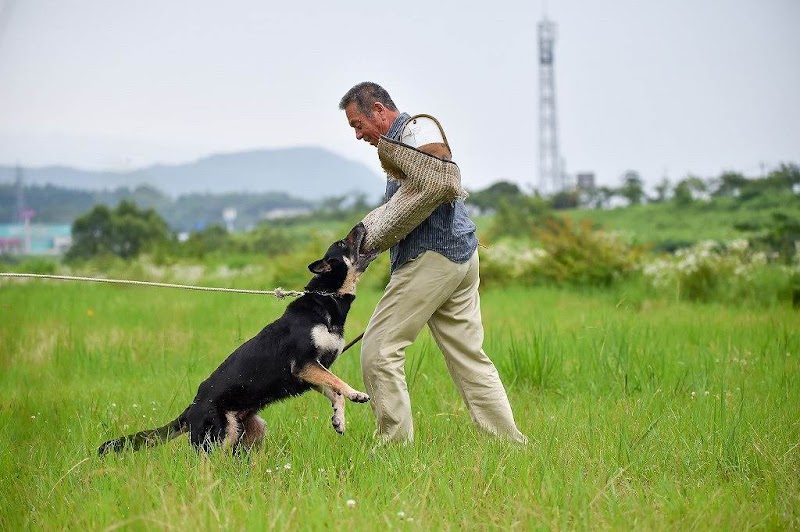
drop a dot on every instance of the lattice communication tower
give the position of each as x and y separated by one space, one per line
551 178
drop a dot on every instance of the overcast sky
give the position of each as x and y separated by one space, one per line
665 88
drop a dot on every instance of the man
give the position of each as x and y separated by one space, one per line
434 280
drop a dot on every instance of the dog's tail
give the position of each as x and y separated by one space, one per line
147 438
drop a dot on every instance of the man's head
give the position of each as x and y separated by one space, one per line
370 111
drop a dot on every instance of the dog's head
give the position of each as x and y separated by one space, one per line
343 263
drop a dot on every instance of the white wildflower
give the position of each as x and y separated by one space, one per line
758 259
740 245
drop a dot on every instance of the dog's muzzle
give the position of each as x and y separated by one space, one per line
360 258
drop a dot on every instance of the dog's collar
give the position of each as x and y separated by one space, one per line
334 295
334 303
337 299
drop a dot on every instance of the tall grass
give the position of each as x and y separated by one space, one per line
662 415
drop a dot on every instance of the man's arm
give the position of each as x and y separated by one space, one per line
427 182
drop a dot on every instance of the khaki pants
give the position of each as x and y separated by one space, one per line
431 289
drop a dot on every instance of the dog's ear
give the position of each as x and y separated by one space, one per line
323 265
319 266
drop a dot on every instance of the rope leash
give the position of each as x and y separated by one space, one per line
353 342
279 292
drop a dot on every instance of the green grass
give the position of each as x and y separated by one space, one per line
657 415
657 223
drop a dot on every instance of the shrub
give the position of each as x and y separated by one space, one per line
271 241
732 272
508 262
39 265
201 243
781 235
569 253
578 254
518 216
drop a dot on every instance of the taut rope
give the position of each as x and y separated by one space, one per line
280 293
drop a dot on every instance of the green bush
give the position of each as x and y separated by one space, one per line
727 273
518 216
38 265
781 235
568 253
578 254
201 243
271 241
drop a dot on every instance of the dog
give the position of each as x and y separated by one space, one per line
285 359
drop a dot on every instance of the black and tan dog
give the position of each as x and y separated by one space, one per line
287 358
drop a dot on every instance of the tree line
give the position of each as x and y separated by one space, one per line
134 227
54 204
783 180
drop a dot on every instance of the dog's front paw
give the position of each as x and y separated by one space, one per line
358 397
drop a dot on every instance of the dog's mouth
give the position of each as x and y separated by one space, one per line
355 240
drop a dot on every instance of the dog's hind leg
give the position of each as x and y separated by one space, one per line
337 402
234 428
254 430
207 431
314 373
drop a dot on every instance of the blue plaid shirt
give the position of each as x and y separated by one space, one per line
447 231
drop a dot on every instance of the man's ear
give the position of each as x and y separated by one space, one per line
319 266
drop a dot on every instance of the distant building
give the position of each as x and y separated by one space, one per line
229 214
289 212
11 246
36 239
587 189
585 181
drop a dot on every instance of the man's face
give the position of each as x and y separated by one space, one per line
368 127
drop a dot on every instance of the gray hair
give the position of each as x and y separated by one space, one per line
364 95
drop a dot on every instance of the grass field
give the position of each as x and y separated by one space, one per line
649 416
653 224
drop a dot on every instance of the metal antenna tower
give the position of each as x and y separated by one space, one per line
19 185
551 178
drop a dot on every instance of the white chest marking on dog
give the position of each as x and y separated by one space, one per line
349 284
324 340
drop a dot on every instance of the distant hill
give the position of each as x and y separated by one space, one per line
59 205
309 173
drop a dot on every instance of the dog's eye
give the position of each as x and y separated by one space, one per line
342 244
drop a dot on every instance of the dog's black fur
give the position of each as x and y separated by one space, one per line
287 358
